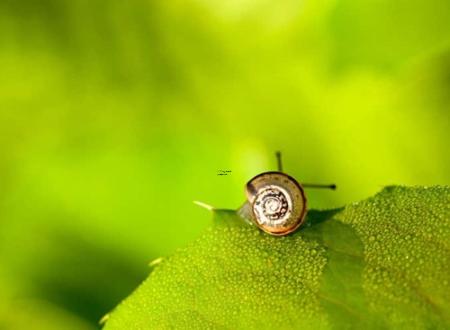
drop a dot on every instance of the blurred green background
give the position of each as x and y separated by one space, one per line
116 115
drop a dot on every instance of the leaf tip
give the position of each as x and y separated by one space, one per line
104 319
155 262
204 205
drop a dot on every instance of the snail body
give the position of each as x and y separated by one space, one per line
276 203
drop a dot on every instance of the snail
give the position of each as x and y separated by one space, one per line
276 202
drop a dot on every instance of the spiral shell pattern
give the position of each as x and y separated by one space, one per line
272 205
277 202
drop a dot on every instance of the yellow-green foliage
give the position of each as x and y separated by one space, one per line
116 114
382 262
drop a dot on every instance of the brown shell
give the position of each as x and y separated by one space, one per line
278 202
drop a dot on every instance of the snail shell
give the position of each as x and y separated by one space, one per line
276 203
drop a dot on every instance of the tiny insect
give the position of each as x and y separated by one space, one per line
276 202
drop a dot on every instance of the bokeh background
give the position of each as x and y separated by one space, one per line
116 115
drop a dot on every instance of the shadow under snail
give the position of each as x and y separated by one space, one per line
276 202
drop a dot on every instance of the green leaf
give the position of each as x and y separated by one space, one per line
383 262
